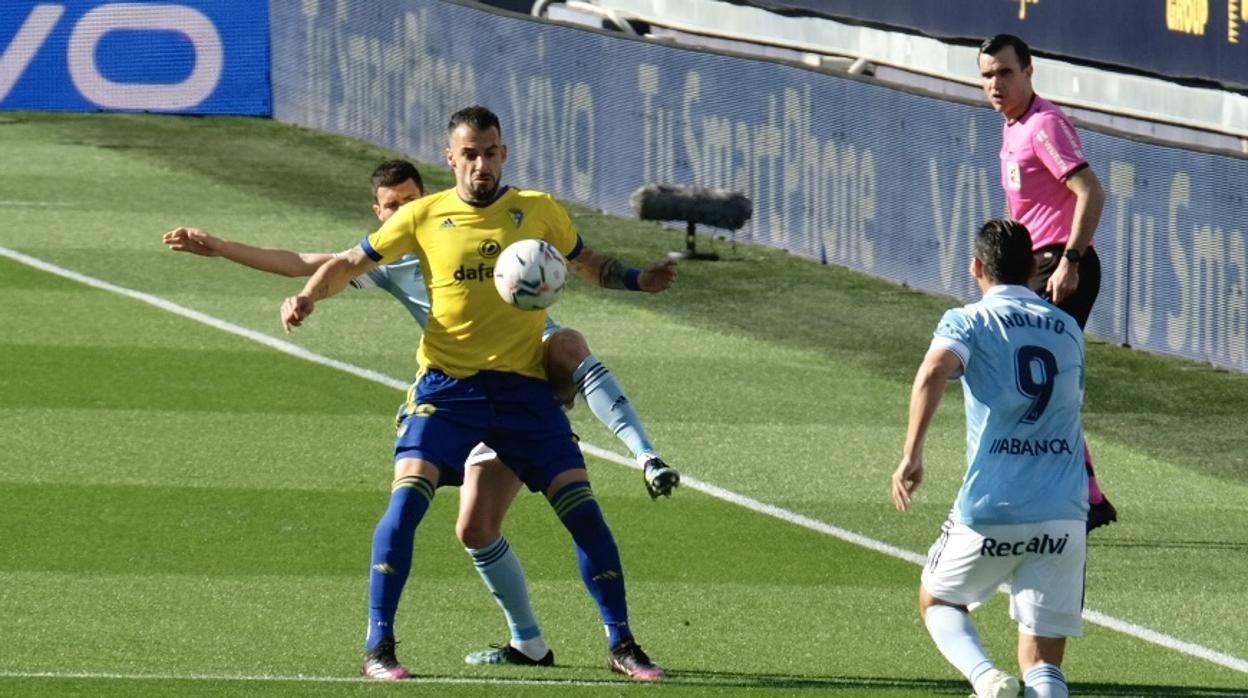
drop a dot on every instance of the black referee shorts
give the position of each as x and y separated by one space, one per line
1078 304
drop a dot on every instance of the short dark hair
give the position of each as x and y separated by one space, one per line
476 117
392 173
1003 245
994 45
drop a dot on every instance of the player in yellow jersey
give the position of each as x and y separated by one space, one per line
482 377
489 487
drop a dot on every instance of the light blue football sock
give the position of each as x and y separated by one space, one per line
606 399
958 640
597 556
500 569
392 554
1045 681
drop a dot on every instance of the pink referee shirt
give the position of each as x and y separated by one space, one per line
1038 151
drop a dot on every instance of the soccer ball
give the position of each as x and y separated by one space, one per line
530 274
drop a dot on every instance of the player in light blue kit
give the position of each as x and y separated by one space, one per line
1020 515
489 487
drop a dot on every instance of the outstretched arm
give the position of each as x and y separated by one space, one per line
330 278
938 366
274 260
609 272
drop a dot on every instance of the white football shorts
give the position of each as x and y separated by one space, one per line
1041 563
480 454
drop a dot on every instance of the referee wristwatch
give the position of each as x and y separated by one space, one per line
1072 255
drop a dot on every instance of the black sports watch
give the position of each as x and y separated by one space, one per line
1072 255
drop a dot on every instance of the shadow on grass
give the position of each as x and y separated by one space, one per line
1157 544
874 685
868 685
1146 690
856 684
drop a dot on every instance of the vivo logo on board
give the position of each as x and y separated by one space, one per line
200 56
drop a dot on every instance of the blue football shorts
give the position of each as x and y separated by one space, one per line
517 416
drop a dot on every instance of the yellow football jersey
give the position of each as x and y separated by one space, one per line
471 328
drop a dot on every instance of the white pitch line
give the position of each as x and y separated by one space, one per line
770 510
300 678
17 203
223 325
1096 617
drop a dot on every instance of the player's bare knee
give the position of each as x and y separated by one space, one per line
926 601
477 533
566 349
564 479
407 467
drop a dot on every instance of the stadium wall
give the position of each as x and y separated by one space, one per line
842 171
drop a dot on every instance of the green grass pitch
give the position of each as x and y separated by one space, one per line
185 511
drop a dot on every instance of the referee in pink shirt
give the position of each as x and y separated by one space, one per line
1050 189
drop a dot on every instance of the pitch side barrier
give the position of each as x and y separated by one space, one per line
187 56
840 170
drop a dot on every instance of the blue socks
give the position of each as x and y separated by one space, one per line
607 401
501 571
392 554
1045 681
958 640
597 556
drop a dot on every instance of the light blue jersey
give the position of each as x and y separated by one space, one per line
1022 381
403 280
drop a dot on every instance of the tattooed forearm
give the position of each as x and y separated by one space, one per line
611 274
335 274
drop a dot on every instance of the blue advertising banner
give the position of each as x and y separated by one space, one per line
843 171
191 56
1197 39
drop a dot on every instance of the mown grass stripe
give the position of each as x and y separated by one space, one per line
1131 629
